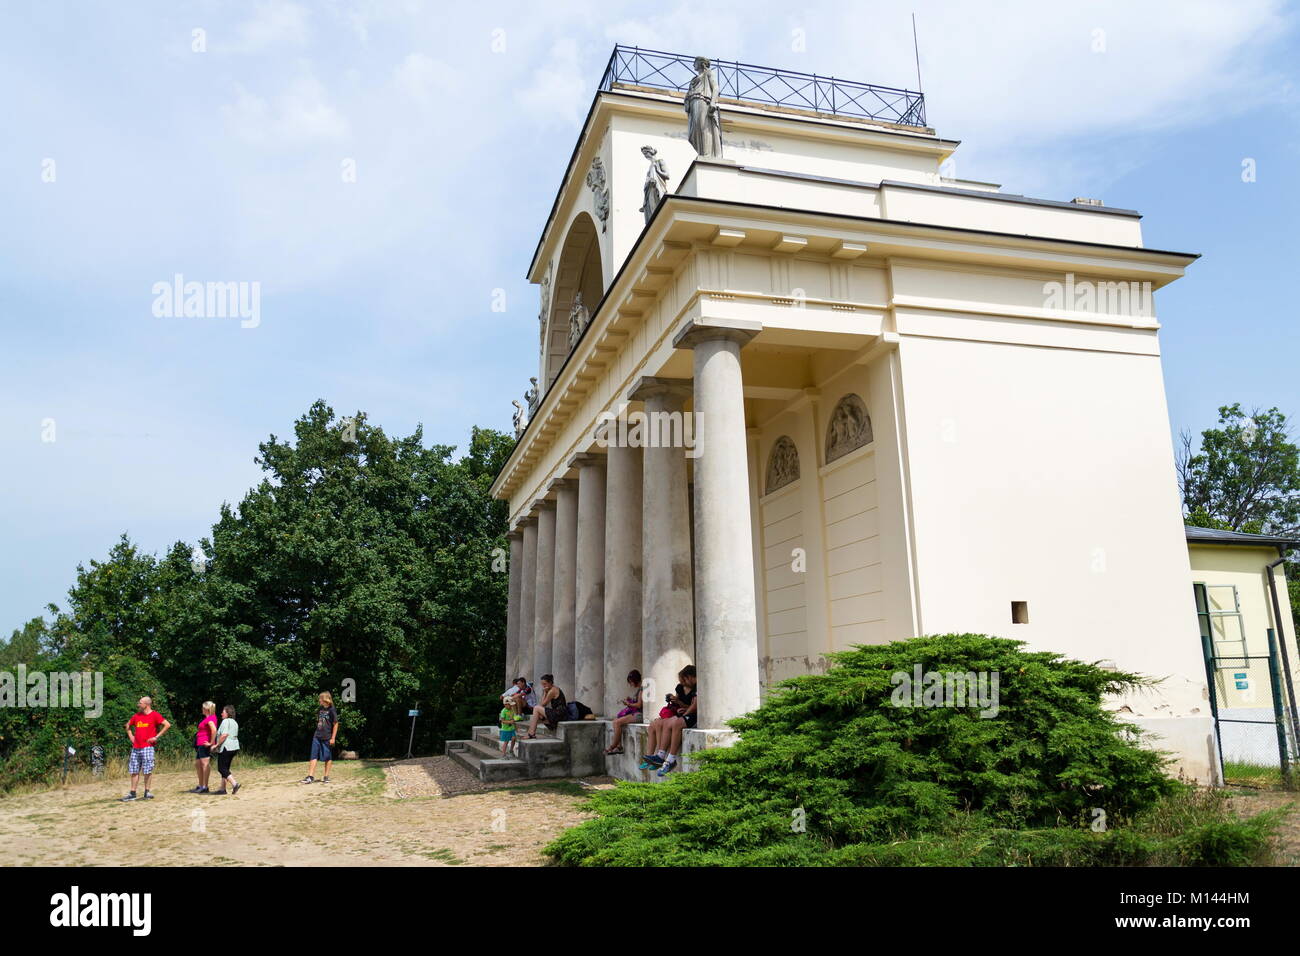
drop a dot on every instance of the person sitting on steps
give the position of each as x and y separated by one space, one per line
664 738
630 714
551 709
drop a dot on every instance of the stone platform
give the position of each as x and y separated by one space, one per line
575 750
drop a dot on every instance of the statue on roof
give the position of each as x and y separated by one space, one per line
519 419
578 319
704 119
656 182
530 398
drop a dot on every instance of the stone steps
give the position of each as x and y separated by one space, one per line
576 750
486 762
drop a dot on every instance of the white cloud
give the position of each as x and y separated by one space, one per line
273 25
560 89
425 80
298 115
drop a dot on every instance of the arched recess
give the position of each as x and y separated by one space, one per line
578 269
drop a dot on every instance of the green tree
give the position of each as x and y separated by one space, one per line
1245 476
110 606
26 645
360 562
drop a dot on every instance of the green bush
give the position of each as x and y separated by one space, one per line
32 739
830 771
474 710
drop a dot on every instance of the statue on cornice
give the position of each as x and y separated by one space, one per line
578 319
656 182
599 191
531 397
543 312
704 118
518 419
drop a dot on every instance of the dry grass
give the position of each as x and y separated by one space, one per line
392 813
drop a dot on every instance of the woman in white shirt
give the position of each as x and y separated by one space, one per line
226 747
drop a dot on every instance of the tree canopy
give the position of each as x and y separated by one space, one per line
1245 476
368 566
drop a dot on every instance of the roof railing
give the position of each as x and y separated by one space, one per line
633 66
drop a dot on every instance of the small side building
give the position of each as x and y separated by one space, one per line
1240 592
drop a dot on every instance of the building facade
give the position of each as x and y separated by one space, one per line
812 392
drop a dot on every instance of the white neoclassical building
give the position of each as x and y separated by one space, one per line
905 404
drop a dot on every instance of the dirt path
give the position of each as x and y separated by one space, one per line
426 812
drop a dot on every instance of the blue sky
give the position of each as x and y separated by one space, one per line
225 165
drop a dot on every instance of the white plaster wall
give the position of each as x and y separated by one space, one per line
998 215
853 555
786 650
846 156
1046 475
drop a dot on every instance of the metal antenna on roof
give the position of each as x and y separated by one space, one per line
917 50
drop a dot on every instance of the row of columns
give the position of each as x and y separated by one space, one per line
604 578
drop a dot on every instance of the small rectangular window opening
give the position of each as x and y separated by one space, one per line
1019 612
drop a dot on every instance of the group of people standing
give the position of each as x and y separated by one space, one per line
221 740
147 725
663 737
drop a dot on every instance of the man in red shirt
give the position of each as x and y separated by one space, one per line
143 730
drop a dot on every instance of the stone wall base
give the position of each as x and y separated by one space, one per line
624 766
1191 743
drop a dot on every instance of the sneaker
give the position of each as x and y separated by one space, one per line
202 790
129 797
645 765
307 780
194 790
148 794
324 779
217 793
654 760
668 767
235 789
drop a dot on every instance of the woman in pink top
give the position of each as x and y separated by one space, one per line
203 738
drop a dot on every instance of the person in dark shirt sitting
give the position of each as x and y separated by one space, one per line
664 738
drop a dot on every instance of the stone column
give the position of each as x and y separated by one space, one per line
544 606
726 627
566 570
516 539
667 614
589 620
622 572
527 600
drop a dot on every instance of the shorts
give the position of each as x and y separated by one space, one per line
507 736
141 760
201 752
320 749
628 711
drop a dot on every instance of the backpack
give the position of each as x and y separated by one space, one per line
578 710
